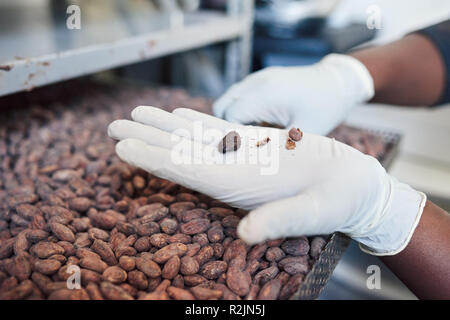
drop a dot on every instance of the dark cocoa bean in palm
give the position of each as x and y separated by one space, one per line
231 142
295 134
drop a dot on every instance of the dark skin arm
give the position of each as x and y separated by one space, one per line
408 72
424 265
411 72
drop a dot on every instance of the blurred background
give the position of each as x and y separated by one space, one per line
205 46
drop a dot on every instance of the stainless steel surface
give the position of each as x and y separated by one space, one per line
37 49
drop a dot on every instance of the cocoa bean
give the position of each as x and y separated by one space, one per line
270 290
189 265
171 268
291 286
138 279
127 263
205 293
179 294
44 249
114 275
47 266
62 232
149 267
164 254
296 247
94 291
103 249
93 264
317 245
113 292
274 254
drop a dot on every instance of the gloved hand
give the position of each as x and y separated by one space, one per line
319 187
315 98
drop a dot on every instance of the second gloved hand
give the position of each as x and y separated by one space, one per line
315 98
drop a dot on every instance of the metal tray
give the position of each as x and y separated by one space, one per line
323 268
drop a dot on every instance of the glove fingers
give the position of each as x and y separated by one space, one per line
206 119
163 120
158 161
183 169
289 217
126 129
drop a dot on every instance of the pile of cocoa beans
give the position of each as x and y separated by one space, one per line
67 205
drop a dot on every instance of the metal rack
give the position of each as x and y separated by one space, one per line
37 48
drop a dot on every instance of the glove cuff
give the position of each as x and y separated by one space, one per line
397 227
357 79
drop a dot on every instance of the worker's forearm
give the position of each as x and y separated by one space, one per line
406 72
424 265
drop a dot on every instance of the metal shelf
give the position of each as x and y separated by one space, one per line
38 49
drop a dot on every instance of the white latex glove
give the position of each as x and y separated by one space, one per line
315 98
320 187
